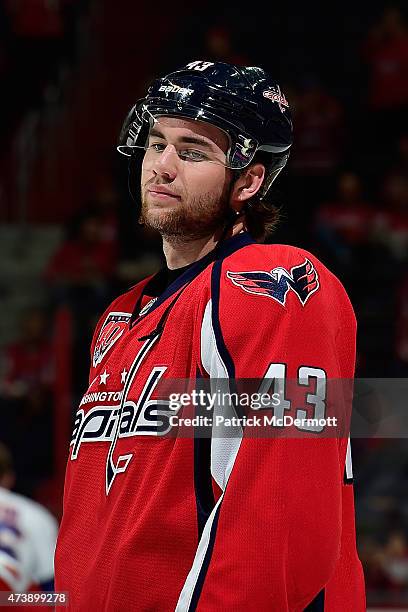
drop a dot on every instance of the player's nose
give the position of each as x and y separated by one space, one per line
166 163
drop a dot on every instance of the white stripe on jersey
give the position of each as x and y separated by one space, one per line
223 450
349 464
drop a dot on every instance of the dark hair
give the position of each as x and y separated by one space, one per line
261 219
262 215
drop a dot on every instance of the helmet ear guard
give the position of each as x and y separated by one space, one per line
272 170
274 164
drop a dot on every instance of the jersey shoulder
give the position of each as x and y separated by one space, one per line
286 274
275 255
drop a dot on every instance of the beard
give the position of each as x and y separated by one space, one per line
196 218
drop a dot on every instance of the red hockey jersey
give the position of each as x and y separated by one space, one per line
157 523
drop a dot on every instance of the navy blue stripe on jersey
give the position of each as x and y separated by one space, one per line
346 479
317 605
206 562
205 501
221 346
229 246
204 493
230 369
215 296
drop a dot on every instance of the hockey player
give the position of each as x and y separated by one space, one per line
162 523
27 537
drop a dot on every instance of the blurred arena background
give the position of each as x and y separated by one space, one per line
69 240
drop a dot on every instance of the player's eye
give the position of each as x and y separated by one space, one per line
157 147
192 155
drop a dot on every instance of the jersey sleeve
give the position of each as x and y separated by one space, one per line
273 539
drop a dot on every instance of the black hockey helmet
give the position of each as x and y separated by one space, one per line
245 103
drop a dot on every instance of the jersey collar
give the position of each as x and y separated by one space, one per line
222 250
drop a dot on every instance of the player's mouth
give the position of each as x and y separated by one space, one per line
162 193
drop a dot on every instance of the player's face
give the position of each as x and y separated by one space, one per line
184 186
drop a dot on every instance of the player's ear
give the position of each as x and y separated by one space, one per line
247 185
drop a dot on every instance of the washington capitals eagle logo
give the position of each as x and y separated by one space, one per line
302 279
